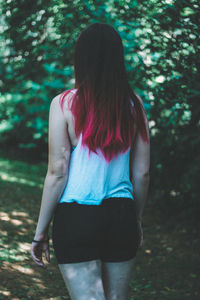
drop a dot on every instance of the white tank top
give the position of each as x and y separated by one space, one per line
91 179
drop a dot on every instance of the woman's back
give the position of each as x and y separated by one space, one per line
91 178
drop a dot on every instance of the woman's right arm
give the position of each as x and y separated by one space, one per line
140 164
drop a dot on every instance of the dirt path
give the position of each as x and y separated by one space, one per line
167 265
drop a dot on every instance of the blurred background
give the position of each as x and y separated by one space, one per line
162 55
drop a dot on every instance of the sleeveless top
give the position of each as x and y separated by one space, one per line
91 179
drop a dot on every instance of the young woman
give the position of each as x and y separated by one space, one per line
98 173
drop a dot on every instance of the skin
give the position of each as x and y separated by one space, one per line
91 280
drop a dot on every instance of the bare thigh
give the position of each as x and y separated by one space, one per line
83 280
116 277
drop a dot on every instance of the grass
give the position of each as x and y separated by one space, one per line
167 265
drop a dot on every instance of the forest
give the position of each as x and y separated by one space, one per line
162 57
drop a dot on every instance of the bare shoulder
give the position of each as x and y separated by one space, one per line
55 105
67 100
55 101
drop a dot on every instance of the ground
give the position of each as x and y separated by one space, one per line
167 265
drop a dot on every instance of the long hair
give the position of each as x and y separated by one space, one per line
103 104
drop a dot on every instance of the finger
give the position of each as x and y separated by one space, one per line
47 254
33 255
38 260
39 263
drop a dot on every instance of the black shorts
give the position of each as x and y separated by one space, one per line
83 232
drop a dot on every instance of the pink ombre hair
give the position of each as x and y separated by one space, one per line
105 109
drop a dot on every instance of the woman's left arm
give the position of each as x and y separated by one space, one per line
57 173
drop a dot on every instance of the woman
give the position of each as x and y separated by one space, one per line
98 173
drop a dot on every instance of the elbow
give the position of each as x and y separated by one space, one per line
59 170
55 180
56 176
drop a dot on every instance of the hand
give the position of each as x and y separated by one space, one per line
140 233
37 249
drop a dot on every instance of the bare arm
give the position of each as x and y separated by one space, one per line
140 164
57 173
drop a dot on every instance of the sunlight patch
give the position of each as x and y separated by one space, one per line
22 269
22 231
24 246
8 256
6 177
148 251
5 293
16 222
3 233
4 216
19 213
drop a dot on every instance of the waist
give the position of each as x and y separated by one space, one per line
89 197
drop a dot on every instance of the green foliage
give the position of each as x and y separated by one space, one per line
162 53
173 73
